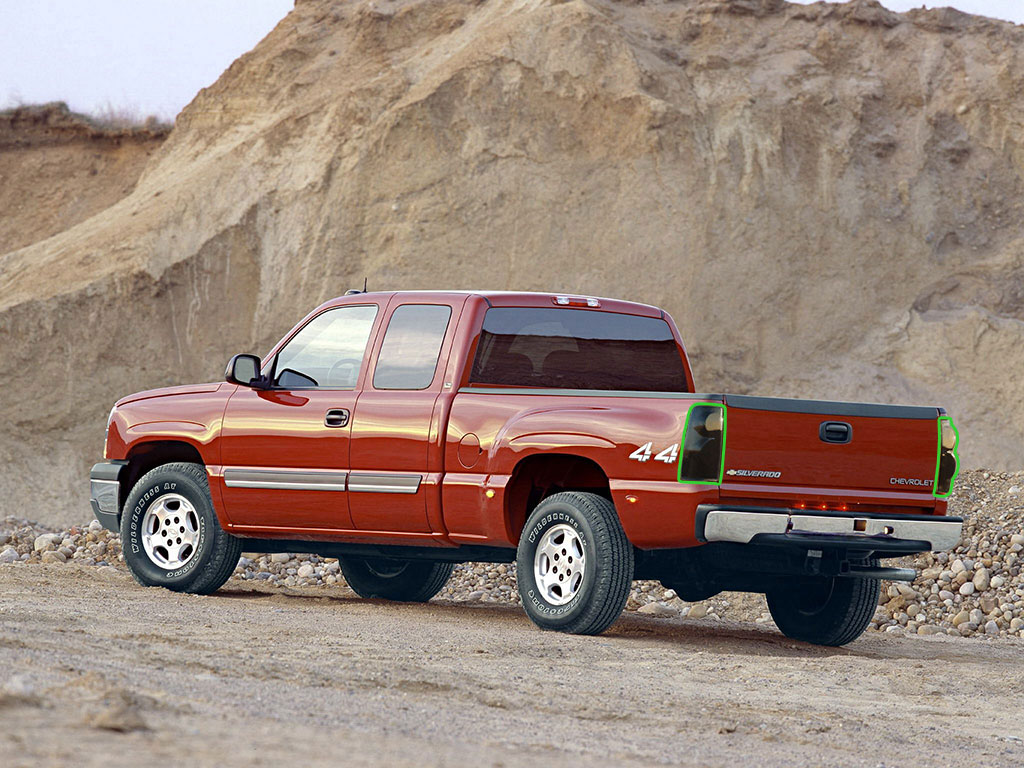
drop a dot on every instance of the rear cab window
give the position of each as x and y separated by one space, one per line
564 348
412 345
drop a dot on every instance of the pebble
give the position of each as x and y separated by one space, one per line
305 571
280 557
981 580
53 556
967 588
991 628
657 609
699 611
9 555
44 543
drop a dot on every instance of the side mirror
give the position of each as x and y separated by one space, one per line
243 369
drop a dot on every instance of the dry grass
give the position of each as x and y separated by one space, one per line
108 117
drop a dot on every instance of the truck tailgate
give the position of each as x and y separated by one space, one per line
814 443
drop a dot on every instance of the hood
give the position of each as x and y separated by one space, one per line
185 389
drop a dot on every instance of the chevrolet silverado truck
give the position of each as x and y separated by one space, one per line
404 432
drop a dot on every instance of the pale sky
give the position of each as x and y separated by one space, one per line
1008 10
152 56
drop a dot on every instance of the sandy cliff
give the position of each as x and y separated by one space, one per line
58 168
826 197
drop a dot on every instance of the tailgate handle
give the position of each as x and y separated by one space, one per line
838 432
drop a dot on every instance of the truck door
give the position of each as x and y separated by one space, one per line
285 450
396 452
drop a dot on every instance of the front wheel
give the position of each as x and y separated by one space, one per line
408 581
170 535
574 566
825 611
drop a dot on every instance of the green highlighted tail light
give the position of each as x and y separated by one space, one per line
702 450
947 465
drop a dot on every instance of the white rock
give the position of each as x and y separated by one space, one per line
45 542
991 628
967 588
280 557
698 611
9 555
53 556
95 526
958 566
306 571
657 609
997 582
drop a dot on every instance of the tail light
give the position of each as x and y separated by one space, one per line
702 452
947 466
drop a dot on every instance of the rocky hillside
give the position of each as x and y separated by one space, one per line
826 197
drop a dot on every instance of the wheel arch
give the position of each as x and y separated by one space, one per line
539 475
145 455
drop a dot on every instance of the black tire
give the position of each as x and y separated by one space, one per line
216 552
407 581
825 611
604 587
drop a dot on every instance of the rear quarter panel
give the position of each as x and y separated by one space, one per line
605 429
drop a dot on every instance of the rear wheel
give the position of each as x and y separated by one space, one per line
825 611
170 534
410 581
574 566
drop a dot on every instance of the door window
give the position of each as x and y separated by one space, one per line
408 357
328 351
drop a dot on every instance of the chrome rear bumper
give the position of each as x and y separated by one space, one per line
848 529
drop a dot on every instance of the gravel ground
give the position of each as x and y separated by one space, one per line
284 663
975 591
97 671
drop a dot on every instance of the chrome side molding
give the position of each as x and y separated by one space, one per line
320 480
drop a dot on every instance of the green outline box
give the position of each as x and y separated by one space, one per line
682 446
938 459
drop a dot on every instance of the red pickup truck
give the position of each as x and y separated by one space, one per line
404 432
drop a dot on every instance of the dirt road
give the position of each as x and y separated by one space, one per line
300 678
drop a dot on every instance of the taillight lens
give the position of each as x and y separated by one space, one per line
947 466
702 452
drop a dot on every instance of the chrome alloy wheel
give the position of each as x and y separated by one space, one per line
170 531
559 564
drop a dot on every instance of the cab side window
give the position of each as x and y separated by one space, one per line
328 351
412 344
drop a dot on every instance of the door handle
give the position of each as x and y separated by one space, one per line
336 417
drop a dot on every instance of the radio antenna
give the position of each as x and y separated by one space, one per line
364 285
